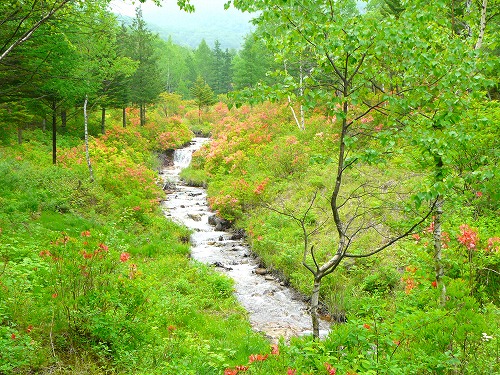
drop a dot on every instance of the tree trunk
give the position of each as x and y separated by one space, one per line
87 155
482 26
315 306
124 117
438 263
63 118
19 134
103 120
54 134
142 114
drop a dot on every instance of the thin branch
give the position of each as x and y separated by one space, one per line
27 35
395 239
370 108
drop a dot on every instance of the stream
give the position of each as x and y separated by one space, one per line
273 309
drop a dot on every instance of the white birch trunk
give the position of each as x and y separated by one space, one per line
87 155
482 26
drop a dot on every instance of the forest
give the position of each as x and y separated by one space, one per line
355 147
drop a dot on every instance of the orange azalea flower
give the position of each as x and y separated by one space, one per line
124 257
275 350
257 358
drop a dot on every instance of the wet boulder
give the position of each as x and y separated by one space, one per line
219 223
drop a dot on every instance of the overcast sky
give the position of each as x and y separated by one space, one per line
170 8
209 21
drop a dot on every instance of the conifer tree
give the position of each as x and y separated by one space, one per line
145 83
202 94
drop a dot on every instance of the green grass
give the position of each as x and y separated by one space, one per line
67 302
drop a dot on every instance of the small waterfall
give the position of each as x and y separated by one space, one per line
182 157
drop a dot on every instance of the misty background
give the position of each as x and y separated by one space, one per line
209 22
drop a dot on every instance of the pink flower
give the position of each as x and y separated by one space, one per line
291 371
468 237
124 257
331 370
275 350
491 244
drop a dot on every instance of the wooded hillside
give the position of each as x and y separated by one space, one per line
357 153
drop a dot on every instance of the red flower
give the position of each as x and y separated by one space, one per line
85 233
45 253
468 237
13 336
29 329
241 368
434 284
257 358
103 247
479 194
367 326
291 371
124 257
230 371
331 370
54 295
86 255
416 236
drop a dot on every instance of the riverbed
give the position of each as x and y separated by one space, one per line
274 309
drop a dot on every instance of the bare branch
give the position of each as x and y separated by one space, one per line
395 239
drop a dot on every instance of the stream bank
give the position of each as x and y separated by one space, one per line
274 309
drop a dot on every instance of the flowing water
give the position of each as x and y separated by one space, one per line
274 309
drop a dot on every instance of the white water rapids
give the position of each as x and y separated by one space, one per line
274 309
